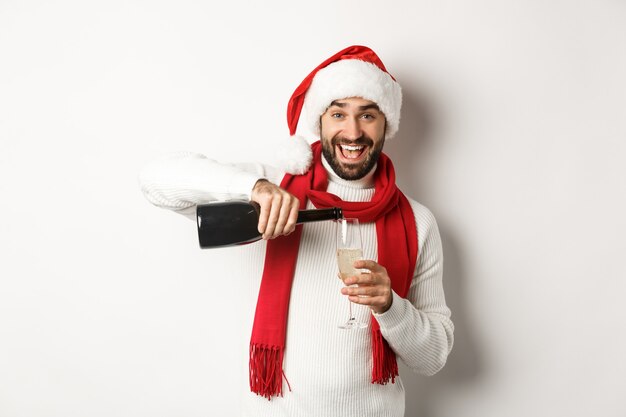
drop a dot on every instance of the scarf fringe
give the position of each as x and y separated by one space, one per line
385 366
266 370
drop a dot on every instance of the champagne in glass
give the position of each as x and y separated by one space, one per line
349 250
345 259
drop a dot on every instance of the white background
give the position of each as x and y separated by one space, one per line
108 307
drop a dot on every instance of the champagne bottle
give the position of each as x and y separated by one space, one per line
236 222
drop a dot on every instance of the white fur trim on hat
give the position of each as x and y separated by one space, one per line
353 78
293 155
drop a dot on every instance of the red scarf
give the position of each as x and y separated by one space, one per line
397 251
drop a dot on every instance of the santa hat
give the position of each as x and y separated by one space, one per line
352 72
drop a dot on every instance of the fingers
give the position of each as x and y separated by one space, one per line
372 289
378 304
371 265
367 291
362 279
273 218
286 221
378 298
279 209
379 301
259 192
292 218
375 274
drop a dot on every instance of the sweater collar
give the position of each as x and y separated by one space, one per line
366 182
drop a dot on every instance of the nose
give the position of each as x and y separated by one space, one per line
352 129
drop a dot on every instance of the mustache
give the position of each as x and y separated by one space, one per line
363 140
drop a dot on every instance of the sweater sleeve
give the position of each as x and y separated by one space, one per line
180 181
418 328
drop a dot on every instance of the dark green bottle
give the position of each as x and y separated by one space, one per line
236 222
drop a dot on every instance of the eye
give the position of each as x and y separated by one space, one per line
336 115
367 116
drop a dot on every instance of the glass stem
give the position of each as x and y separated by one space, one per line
350 310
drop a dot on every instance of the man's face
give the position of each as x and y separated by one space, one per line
352 135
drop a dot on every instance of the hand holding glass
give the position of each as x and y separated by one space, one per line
349 250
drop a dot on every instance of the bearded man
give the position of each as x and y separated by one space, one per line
301 363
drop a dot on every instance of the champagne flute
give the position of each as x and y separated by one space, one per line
349 250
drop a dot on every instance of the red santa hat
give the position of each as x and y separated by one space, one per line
355 71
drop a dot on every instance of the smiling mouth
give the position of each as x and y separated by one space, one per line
352 152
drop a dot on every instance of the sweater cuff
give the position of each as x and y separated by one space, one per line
394 315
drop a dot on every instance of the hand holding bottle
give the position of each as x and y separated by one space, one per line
279 209
236 222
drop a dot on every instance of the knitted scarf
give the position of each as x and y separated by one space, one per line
397 251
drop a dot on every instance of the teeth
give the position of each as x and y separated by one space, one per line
351 147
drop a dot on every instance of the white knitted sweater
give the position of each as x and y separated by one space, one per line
328 369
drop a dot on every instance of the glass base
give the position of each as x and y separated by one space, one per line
353 324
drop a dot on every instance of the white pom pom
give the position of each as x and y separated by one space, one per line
293 155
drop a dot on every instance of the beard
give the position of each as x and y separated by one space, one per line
355 171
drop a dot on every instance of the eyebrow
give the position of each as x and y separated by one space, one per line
361 108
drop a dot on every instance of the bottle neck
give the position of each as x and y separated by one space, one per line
306 216
315 215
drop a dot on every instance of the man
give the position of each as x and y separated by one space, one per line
299 359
